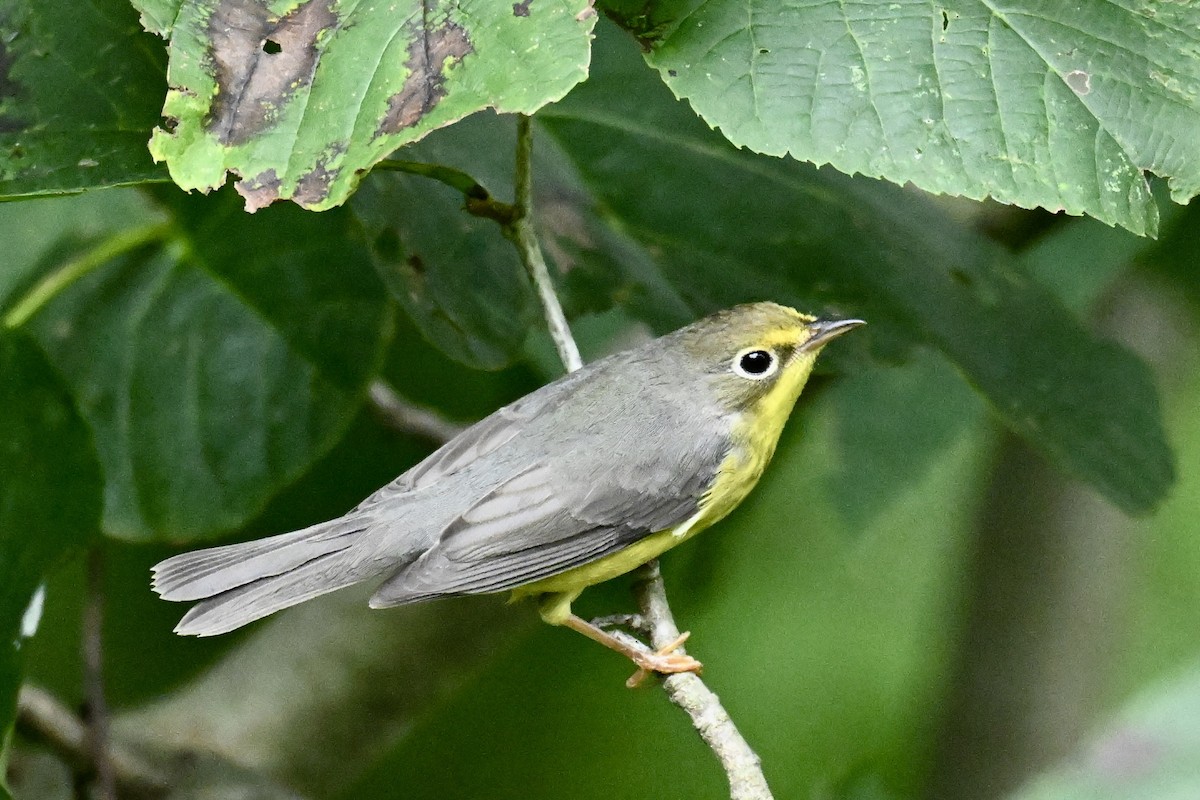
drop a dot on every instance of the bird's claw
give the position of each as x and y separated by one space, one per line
664 661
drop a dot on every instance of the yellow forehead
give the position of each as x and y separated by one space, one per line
784 335
754 325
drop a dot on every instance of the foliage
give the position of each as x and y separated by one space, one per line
300 98
43 436
1029 102
173 369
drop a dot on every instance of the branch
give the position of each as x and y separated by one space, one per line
398 413
1045 585
521 233
42 718
686 690
93 678
479 201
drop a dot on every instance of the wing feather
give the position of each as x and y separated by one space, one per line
573 488
524 531
481 441
437 575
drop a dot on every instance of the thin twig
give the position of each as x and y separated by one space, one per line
41 717
405 417
93 677
521 233
634 622
686 690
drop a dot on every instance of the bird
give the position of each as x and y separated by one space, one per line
578 482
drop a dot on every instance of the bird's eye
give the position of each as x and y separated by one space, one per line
755 363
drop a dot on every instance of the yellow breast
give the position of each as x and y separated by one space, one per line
754 437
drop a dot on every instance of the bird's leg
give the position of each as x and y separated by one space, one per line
665 660
555 608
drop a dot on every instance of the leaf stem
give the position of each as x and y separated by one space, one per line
67 273
710 719
479 201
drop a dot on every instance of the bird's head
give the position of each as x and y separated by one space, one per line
759 354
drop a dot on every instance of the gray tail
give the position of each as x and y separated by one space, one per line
240 583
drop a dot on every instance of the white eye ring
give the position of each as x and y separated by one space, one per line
743 369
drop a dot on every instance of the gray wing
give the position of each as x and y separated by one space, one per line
547 519
480 440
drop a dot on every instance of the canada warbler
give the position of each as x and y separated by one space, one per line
582 480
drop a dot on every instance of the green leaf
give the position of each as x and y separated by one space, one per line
158 16
80 91
1079 259
462 282
49 497
728 226
595 262
1175 256
1150 752
455 275
300 97
1031 102
213 374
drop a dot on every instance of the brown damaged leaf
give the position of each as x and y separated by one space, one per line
263 189
314 184
260 62
425 86
298 99
259 191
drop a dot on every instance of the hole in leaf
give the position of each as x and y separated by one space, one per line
762 51
272 47
945 20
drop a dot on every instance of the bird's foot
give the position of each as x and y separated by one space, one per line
664 661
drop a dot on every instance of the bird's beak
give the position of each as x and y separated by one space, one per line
825 329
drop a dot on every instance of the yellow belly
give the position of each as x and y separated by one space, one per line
620 562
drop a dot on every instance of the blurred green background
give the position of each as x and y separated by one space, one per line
927 597
879 627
